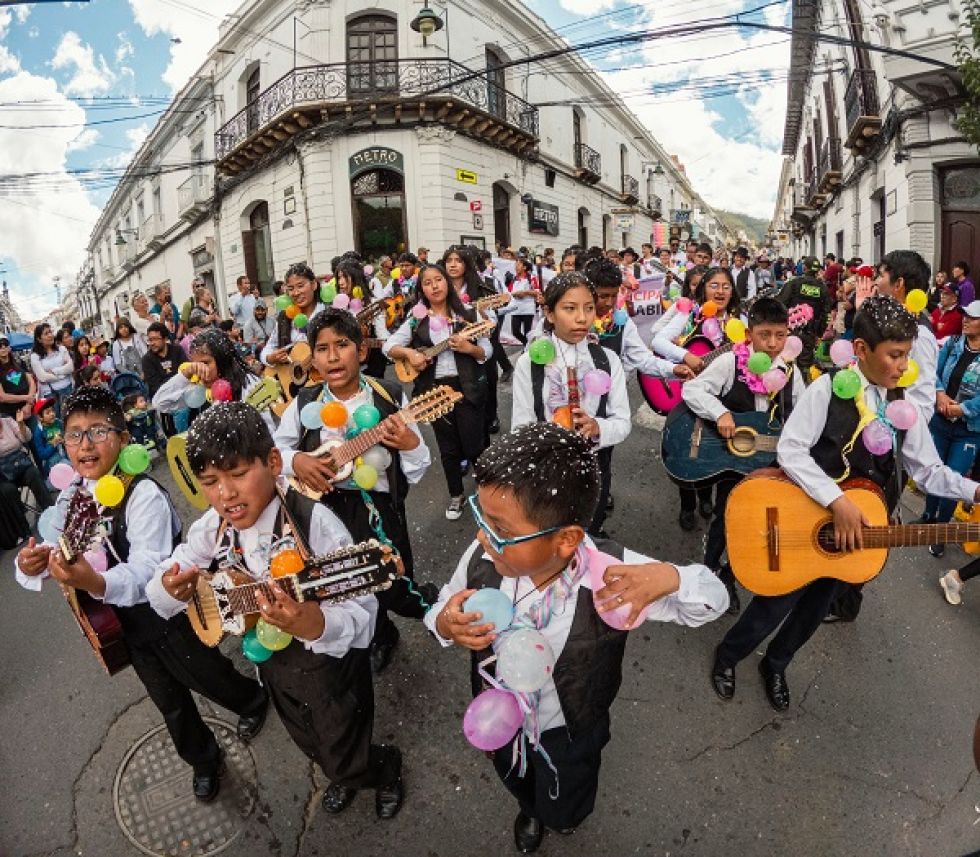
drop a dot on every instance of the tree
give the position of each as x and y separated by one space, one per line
967 55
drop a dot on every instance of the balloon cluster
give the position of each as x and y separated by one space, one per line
284 303
317 415
878 435
262 641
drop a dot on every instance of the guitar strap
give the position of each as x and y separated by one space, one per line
379 389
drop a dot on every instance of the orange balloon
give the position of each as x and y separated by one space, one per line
287 562
292 311
334 415
563 417
709 309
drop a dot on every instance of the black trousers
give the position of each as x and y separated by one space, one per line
577 762
715 545
500 357
327 707
970 570
800 613
690 497
31 479
175 662
520 326
605 486
490 411
376 363
461 435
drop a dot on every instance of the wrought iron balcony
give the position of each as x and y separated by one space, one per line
830 169
631 190
588 163
813 196
394 91
861 108
193 197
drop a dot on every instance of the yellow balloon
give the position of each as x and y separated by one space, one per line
735 330
915 301
109 491
273 638
910 375
396 273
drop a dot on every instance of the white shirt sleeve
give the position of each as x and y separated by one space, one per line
415 462
197 549
700 598
663 339
929 471
272 343
522 409
616 425
170 397
925 352
457 583
703 393
636 355
288 435
483 343
402 337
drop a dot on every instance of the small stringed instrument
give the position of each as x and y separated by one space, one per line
296 372
225 602
183 476
97 620
423 409
492 302
779 539
406 372
695 453
564 415
371 312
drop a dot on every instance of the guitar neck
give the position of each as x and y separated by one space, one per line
356 446
242 599
437 349
917 535
714 355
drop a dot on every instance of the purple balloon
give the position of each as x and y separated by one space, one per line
597 382
356 305
420 311
711 328
774 379
901 414
492 719
793 348
342 301
437 322
877 437
842 352
62 475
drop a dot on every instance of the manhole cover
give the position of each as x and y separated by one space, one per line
156 809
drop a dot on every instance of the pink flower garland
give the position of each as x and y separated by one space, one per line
754 382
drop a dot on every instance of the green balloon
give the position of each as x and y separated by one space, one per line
282 302
328 292
366 416
134 459
253 649
300 321
542 351
847 384
759 363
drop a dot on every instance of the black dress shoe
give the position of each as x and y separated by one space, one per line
705 509
388 798
610 503
249 725
494 426
937 550
382 650
777 691
723 680
208 783
337 798
528 833
687 520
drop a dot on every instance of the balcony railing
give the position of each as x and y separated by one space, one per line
193 196
861 108
631 189
830 167
588 163
436 85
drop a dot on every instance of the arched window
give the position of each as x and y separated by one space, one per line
372 54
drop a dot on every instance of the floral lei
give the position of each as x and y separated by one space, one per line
752 381
605 326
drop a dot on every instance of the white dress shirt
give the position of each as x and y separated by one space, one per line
170 397
636 355
700 598
613 428
414 462
750 286
347 624
380 292
446 361
53 371
703 394
925 352
806 424
295 335
151 526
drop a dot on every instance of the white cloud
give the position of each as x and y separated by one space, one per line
135 137
9 64
91 76
88 137
124 48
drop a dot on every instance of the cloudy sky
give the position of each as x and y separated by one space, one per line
82 83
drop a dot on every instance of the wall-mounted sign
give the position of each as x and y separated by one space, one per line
476 206
478 222
680 215
467 176
542 218
374 157
624 222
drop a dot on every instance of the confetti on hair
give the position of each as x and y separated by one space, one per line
224 434
229 363
890 318
98 400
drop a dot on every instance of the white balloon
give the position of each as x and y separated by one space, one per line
525 661
378 457
49 525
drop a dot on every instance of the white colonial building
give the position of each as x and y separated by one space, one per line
872 160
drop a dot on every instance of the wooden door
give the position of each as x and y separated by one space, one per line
961 240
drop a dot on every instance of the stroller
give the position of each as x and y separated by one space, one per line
146 429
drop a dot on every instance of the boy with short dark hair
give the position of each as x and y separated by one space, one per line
167 656
818 448
48 436
321 682
536 491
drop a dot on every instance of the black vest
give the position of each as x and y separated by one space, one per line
740 399
472 375
614 340
310 439
589 670
742 283
601 361
300 509
842 420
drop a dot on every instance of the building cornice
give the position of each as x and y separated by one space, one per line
802 49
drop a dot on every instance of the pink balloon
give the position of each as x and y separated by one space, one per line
437 322
597 382
598 563
877 437
221 391
901 414
368 270
97 559
683 304
62 475
492 719
356 305
711 328
342 301
420 311
842 352
774 379
792 349
465 298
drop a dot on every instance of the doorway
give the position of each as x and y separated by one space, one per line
257 249
960 218
378 199
501 215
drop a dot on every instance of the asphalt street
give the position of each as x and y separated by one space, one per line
872 758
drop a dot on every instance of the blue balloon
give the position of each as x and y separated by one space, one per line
49 525
195 396
620 317
494 605
253 649
310 416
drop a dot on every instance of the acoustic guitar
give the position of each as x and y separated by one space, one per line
98 621
694 453
779 539
422 409
225 602
406 372
295 373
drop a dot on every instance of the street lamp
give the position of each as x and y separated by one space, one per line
426 22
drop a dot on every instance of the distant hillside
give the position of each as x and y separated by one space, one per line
755 227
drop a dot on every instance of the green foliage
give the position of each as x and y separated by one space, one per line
755 227
967 55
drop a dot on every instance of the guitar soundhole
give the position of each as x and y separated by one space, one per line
743 442
825 538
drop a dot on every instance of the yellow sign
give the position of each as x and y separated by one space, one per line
466 176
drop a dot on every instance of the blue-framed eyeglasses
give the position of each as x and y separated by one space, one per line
496 542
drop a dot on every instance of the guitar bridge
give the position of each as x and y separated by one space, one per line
772 537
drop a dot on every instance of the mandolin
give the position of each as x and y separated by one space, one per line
406 372
225 602
423 409
779 539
